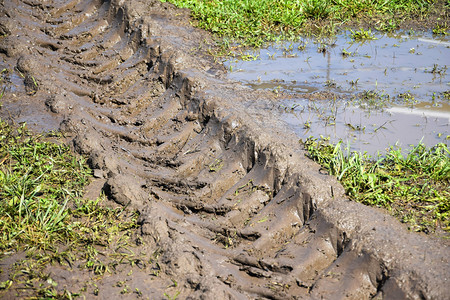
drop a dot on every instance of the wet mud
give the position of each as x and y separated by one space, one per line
225 192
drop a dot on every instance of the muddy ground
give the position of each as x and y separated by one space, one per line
226 195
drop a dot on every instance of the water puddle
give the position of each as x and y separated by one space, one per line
11 80
371 93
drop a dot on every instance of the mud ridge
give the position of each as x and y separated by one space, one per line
225 192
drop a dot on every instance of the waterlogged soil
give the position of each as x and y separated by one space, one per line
371 93
230 207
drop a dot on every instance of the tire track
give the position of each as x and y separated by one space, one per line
234 206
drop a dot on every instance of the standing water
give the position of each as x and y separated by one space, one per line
373 93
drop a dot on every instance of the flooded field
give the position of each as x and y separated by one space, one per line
370 93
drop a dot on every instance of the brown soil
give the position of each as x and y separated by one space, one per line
225 192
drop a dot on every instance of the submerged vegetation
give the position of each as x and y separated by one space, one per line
42 213
414 187
255 22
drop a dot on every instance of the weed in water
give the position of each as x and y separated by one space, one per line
330 84
371 99
440 29
307 125
361 35
406 98
354 83
345 53
446 95
355 127
249 57
437 70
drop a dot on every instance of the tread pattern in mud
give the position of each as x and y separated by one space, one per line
231 221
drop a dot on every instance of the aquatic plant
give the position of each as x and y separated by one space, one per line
441 29
361 34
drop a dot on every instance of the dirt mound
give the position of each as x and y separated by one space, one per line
225 192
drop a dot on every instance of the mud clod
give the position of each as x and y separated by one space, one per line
57 104
87 143
6 26
27 65
124 191
12 48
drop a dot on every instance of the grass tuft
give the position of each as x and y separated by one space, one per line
414 187
37 180
42 214
251 23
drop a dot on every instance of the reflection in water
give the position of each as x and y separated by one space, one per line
405 75
426 113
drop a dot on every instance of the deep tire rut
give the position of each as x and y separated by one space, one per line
224 191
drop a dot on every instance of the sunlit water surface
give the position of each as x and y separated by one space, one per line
390 90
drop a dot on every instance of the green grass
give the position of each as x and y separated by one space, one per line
414 187
37 180
43 214
258 21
